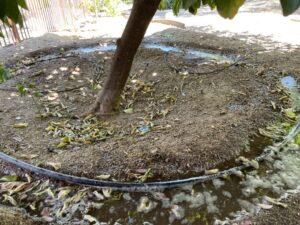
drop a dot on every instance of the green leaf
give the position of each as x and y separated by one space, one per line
2 9
194 7
13 12
10 178
297 139
163 4
38 94
21 89
22 3
187 3
176 6
228 8
289 6
4 74
9 9
210 3
290 113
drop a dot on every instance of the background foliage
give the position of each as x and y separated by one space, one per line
226 8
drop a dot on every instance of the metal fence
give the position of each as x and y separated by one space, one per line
44 16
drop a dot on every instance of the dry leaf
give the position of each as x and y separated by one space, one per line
275 202
10 199
273 105
20 125
98 195
107 192
128 111
27 156
91 219
213 171
103 176
265 206
55 166
63 193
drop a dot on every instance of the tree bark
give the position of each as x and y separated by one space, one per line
109 97
15 31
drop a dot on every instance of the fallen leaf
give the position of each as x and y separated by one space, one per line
27 156
98 195
33 206
96 205
55 166
20 125
91 219
107 192
103 176
148 174
62 145
10 199
10 178
47 191
29 179
275 202
63 193
128 111
213 171
264 206
290 113
273 105
19 188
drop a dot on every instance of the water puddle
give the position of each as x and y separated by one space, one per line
291 85
188 53
289 82
92 49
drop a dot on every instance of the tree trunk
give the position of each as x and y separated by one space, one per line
109 97
15 31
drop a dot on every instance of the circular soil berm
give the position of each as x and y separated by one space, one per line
175 118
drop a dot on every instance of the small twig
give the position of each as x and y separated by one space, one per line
45 59
70 89
181 87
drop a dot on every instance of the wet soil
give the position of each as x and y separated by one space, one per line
182 122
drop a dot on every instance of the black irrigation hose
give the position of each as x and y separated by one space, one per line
144 187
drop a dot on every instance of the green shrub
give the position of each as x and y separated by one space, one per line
4 74
110 7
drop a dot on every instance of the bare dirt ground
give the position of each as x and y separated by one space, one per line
182 123
279 215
